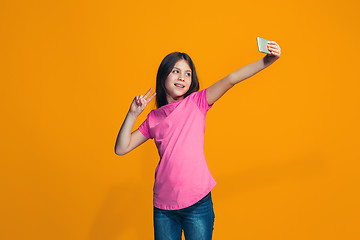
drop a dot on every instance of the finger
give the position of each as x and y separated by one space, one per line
274 48
148 93
273 44
138 101
274 52
151 97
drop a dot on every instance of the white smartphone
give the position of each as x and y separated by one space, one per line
262 45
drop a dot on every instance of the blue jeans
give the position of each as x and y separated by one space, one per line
197 221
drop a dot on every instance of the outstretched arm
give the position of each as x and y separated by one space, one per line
215 91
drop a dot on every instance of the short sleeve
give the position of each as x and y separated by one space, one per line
144 128
201 101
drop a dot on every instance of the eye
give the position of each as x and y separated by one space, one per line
175 71
188 74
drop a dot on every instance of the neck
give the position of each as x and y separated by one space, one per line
170 99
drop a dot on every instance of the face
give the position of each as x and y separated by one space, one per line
178 81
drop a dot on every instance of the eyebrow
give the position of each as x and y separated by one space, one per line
185 71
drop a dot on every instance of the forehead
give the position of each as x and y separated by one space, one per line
182 64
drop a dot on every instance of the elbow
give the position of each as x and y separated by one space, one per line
231 80
120 152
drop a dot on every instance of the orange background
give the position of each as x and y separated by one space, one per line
283 145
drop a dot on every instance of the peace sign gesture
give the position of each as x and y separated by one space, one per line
139 103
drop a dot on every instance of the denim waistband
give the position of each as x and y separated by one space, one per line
204 198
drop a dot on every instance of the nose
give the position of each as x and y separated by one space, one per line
181 79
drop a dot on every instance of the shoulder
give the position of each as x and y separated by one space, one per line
200 99
156 113
198 94
152 113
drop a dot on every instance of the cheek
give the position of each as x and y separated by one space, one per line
189 82
170 78
167 81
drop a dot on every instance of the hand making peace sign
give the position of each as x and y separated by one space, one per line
139 103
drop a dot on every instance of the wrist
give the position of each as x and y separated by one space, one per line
132 114
270 58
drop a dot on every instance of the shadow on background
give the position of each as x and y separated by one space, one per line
127 211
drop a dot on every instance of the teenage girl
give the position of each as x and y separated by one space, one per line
183 183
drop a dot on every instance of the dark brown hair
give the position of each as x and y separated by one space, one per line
164 70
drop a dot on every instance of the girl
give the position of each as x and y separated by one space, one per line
183 183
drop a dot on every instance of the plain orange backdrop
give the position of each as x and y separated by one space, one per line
283 145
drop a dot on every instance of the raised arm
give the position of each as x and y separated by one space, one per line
215 91
127 140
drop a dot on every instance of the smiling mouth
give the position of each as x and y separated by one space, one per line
179 85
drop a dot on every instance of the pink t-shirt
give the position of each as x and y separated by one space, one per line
182 176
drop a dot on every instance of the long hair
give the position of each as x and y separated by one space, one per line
164 70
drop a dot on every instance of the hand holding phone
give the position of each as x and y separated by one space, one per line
270 47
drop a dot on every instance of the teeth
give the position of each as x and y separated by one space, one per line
179 85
